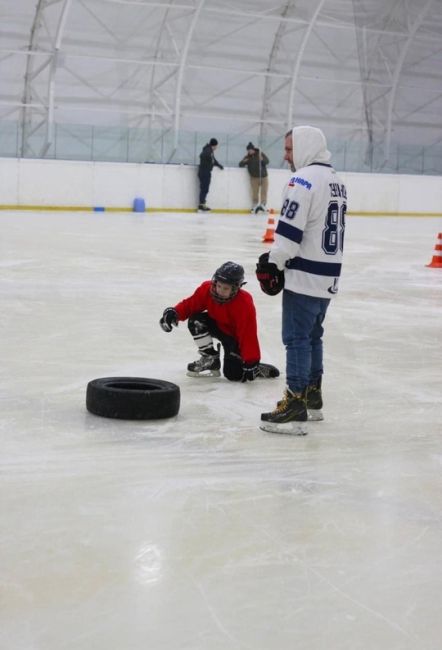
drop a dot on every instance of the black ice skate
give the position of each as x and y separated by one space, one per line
208 365
267 371
203 208
314 401
289 416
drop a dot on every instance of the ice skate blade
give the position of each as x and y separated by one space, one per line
287 428
315 415
203 375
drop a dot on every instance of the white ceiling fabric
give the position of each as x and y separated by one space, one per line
362 70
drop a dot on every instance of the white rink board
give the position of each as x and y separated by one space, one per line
59 183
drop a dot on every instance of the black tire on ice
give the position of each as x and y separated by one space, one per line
132 398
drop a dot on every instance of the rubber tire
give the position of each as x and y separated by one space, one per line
132 398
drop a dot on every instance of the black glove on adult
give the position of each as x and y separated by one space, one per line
169 319
250 371
270 278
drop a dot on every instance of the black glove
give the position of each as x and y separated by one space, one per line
220 166
250 371
270 278
169 319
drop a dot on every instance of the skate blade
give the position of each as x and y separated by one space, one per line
288 428
315 415
201 375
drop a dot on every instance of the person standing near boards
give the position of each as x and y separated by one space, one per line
256 162
207 163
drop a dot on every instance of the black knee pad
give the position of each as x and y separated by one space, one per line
232 367
232 376
198 324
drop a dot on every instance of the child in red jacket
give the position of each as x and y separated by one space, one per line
220 309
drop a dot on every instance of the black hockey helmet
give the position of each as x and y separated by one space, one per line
229 273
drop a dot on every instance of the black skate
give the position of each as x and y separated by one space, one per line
289 416
267 371
314 401
208 365
203 208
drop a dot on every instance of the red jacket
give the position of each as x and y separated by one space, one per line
236 318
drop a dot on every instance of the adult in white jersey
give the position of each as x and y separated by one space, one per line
308 250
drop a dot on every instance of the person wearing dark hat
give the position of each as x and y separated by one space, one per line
256 162
207 163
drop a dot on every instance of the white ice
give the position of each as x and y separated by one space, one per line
202 532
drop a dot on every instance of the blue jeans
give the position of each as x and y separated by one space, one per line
302 318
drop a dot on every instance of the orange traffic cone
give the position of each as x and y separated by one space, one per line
436 262
269 235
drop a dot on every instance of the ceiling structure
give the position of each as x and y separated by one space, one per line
367 72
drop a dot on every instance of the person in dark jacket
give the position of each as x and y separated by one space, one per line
207 163
219 308
256 162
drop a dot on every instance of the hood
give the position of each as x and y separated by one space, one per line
309 145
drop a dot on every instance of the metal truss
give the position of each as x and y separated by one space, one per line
360 69
39 80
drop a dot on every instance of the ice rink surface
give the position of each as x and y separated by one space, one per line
202 532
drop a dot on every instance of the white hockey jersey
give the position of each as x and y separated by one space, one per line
309 237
